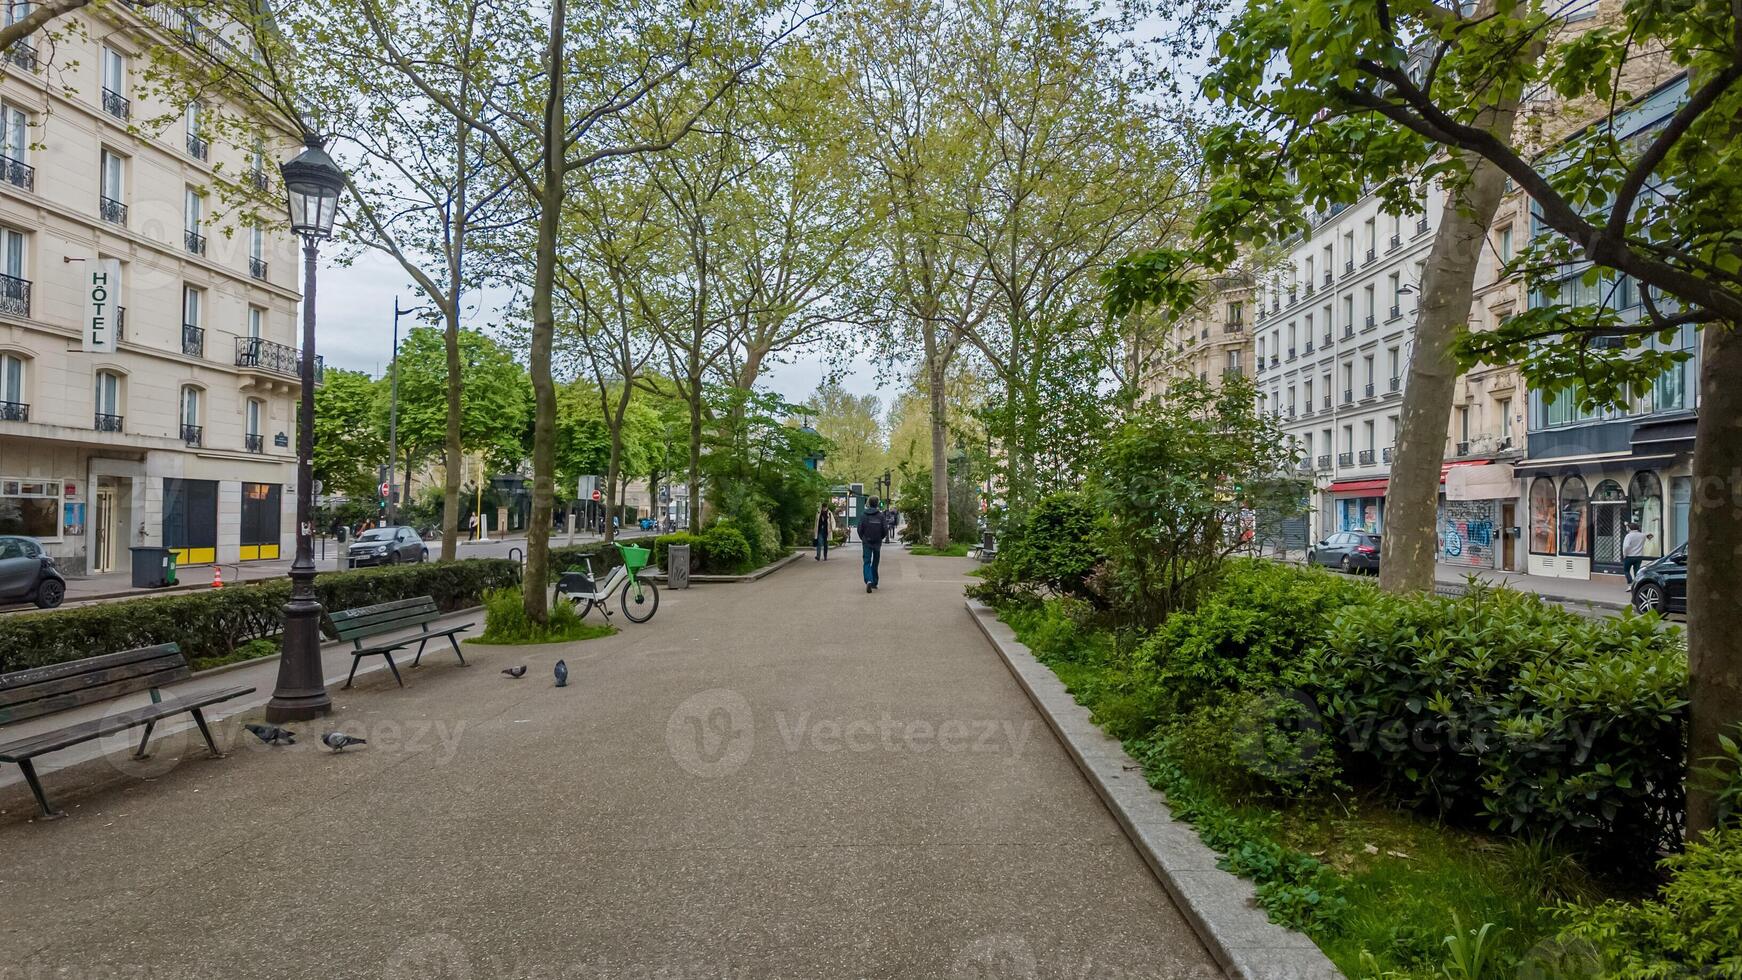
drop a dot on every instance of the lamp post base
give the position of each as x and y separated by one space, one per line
301 693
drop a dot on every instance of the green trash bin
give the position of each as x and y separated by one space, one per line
169 568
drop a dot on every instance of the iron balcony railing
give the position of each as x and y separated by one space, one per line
23 54
1369 323
1349 266
1327 277
193 340
1366 457
1396 240
257 178
1291 353
257 267
107 423
14 296
1368 392
1329 340
197 147
264 355
1371 255
193 435
1327 403
1325 461
1348 330
18 173
1348 395
1463 449
1309 347
1396 311
1385 454
196 242
1345 459
254 442
1421 226
1275 360
1233 326
112 211
116 104
1395 383
14 412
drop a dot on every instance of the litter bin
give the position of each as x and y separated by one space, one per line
677 572
153 568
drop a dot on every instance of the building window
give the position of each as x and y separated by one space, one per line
1645 508
254 414
192 427
15 148
1542 516
112 192
193 334
1574 518
115 84
1505 244
108 400
196 135
30 508
257 252
256 316
193 212
14 288
14 404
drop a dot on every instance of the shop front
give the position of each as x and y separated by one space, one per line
1357 505
1477 513
1579 519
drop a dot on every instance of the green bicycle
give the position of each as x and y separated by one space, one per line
638 597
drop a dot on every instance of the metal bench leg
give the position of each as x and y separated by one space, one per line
205 730
140 752
48 812
356 658
416 661
394 667
457 653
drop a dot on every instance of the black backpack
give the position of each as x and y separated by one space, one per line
871 527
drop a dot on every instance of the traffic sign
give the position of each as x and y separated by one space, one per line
597 495
386 488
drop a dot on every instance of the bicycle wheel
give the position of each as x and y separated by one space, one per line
640 600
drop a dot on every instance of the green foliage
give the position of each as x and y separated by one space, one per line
1054 551
495 399
1692 928
349 444
214 625
1257 744
662 548
1722 777
1469 952
506 622
725 550
957 549
1499 706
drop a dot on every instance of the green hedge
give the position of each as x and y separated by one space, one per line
212 624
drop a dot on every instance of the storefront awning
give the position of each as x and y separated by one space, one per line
1359 486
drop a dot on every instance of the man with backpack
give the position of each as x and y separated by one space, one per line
871 533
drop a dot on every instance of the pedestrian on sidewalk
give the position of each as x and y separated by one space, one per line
1633 551
871 542
472 528
825 526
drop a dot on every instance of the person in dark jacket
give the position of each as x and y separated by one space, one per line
825 525
871 532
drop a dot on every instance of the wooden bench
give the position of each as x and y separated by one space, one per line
46 690
365 622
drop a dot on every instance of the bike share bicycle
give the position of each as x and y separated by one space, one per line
638 597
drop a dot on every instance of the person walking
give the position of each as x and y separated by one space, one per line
472 528
1633 551
825 525
871 531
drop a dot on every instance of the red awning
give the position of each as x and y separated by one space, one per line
1359 486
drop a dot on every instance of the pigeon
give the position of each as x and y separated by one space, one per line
272 734
338 741
562 674
515 672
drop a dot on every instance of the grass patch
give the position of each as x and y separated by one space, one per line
1379 890
506 623
258 649
956 549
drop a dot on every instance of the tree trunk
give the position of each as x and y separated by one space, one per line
940 460
695 473
1715 566
455 454
612 500
536 602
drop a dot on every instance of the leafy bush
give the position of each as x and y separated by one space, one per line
1259 620
1498 705
1256 744
506 622
1692 928
212 625
662 548
1055 549
725 550
762 537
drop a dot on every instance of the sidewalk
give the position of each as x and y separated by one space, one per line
1601 594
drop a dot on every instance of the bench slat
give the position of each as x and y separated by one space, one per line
396 616
386 617
23 693
381 607
35 745
90 695
36 675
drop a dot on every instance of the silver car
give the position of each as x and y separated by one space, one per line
386 546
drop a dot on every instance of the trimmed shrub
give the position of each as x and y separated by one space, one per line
1499 706
213 624
725 550
662 549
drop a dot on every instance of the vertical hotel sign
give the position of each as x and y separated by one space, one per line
102 293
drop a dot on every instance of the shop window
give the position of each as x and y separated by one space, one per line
1542 516
1681 501
1574 518
1645 508
30 508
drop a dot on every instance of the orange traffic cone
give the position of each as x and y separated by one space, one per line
217 577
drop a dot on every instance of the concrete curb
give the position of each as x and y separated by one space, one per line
1220 906
760 573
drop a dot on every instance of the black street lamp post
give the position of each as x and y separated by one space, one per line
313 182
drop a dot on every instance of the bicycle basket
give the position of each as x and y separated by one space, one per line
634 559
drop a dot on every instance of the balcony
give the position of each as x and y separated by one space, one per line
1327 406
1275 360
1349 266
14 412
197 148
196 242
1396 241
1395 384
1234 326
1369 324
1348 330
193 436
1463 449
14 296
257 354
1371 255
1305 464
1327 277
1421 225
107 423
1291 353
1348 396
1325 461
1369 391
1309 347
1385 454
116 104
1233 371
1345 459
257 179
193 340
1292 297
22 53
112 211
1291 412
1396 311
254 442
257 269
1366 457
1309 288
17 173
1329 340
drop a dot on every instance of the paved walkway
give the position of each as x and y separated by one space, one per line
784 779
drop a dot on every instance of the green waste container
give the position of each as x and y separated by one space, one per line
169 568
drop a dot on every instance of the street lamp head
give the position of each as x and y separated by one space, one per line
312 182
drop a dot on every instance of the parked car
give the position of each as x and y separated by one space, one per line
648 524
386 546
1350 551
1662 586
28 574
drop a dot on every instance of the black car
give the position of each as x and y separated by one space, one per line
28 574
386 546
1662 586
1351 551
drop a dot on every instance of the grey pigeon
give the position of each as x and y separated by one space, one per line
338 741
515 672
272 734
562 674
